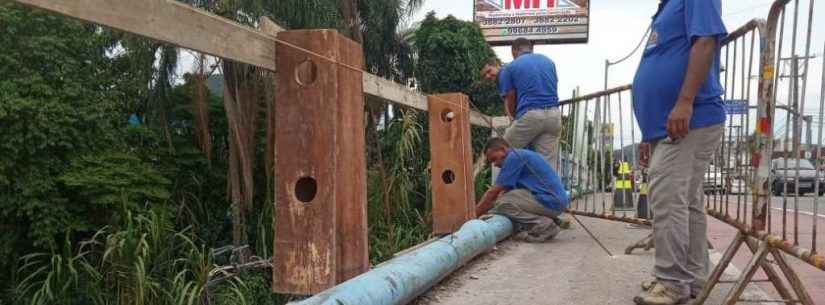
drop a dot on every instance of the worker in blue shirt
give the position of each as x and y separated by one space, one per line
528 86
527 191
678 105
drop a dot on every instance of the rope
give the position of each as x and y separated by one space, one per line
489 121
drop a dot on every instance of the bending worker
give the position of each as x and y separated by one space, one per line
528 87
677 99
527 191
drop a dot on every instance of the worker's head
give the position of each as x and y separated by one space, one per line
521 46
489 70
496 150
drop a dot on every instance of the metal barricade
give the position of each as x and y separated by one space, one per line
598 155
729 177
764 180
761 174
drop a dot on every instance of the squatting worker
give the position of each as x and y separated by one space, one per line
528 87
677 101
527 191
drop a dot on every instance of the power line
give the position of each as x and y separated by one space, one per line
749 9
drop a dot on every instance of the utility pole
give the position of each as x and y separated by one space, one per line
798 70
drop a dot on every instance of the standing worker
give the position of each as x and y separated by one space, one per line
678 104
528 87
527 191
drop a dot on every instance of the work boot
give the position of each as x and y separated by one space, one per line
563 222
647 285
659 295
543 236
521 236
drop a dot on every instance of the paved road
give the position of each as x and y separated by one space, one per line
570 270
574 270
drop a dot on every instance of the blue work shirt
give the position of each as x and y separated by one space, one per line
662 70
533 77
517 172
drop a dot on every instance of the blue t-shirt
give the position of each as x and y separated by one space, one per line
533 77
517 173
662 70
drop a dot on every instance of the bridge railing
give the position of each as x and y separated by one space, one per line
313 153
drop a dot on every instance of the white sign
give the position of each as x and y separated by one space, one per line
541 21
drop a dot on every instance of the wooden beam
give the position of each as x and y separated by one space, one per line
174 23
391 91
404 96
191 28
453 190
269 27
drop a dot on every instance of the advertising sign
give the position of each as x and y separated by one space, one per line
736 106
541 21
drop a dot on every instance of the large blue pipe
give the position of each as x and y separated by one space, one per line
402 279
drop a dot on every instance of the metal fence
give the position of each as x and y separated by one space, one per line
767 179
598 153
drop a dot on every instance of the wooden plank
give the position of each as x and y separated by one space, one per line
351 165
388 90
404 96
305 253
452 179
174 23
269 27
188 27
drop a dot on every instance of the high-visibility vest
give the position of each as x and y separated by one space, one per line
623 184
623 181
643 188
624 168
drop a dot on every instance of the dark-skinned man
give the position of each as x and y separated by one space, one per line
528 86
677 99
527 191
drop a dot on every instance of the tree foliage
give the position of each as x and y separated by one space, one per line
57 102
451 53
95 211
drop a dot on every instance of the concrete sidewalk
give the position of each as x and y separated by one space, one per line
572 269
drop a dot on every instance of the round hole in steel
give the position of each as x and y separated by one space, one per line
448 177
305 189
306 73
447 115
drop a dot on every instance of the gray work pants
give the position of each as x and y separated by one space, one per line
540 130
526 213
677 171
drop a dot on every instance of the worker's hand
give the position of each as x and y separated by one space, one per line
644 154
678 123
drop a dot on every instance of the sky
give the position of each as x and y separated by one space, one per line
616 28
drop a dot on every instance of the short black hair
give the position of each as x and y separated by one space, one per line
496 143
522 44
492 61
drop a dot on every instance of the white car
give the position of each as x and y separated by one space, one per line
713 181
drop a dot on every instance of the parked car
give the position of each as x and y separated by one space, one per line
784 173
736 186
713 181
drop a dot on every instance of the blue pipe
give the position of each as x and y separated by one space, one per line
402 279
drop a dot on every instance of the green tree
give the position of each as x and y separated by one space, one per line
451 53
58 101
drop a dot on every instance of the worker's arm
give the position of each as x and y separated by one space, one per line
510 104
701 58
487 200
